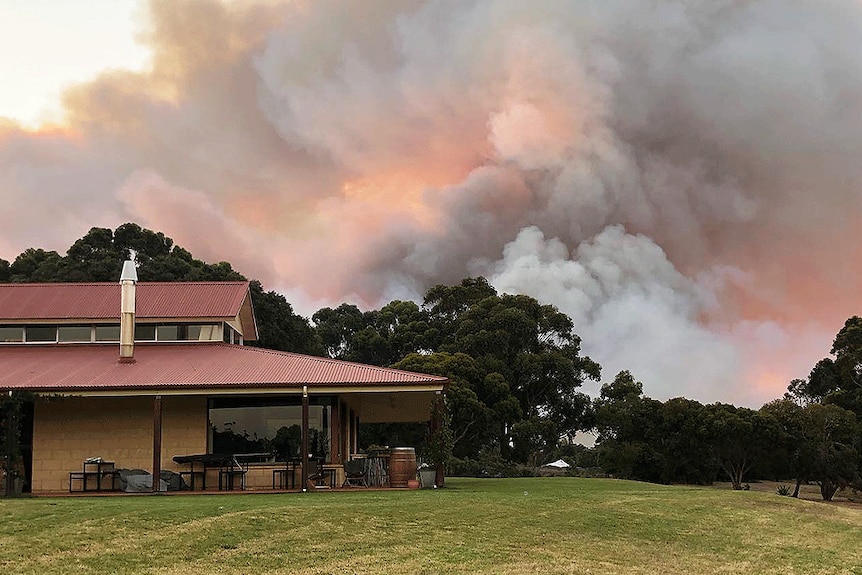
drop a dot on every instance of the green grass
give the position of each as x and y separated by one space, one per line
541 525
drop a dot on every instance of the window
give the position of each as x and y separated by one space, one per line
167 333
108 333
12 333
74 333
143 332
41 333
268 425
187 332
202 332
230 335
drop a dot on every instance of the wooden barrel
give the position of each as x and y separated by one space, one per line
402 466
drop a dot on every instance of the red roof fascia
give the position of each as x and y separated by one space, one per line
70 368
96 301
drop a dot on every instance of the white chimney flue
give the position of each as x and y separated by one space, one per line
128 279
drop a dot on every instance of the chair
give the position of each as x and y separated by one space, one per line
280 475
354 473
317 475
229 471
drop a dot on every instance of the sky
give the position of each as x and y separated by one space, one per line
680 178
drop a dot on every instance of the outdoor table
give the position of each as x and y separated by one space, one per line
95 469
230 465
280 475
205 461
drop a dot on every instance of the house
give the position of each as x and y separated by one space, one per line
137 374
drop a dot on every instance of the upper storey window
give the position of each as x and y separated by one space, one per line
41 333
178 332
74 333
11 333
188 332
109 333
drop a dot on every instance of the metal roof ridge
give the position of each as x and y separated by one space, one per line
199 282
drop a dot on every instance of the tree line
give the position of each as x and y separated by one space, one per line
516 370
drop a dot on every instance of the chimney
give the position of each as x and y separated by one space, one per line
128 279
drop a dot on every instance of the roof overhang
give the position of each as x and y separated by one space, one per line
215 391
194 369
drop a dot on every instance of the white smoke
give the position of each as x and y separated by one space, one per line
631 307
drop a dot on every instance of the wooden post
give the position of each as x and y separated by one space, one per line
345 432
304 453
336 451
9 448
436 425
355 437
157 442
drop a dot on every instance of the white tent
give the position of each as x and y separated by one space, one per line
559 464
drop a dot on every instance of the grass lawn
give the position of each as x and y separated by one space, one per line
537 525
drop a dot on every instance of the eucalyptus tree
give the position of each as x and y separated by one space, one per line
528 353
627 424
837 381
36 265
471 420
829 451
739 438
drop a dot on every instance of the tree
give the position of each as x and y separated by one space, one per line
449 302
12 408
644 439
278 327
93 258
837 381
828 440
626 425
535 350
336 329
524 362
404 325
823 381
829 451
439 441
682 444
786 446
847 349
740 437
146 243
378 337
37 265
469 418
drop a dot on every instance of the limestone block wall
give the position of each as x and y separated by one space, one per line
67 430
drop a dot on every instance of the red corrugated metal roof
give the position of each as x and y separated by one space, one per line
69 368
95 301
